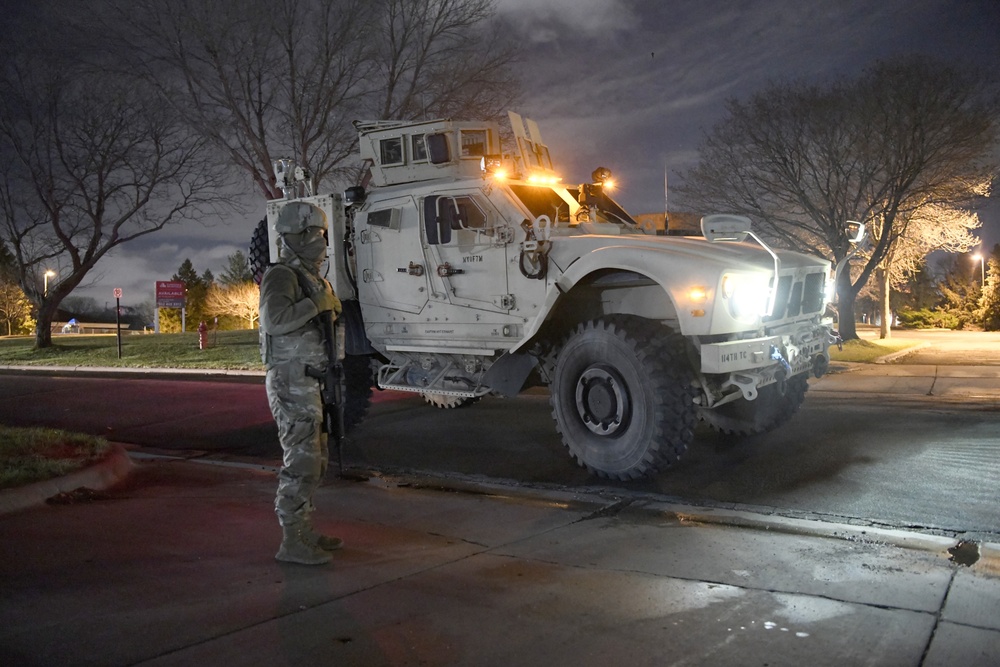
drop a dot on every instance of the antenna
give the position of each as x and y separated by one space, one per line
666 200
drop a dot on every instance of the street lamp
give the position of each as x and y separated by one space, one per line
979 257
48 274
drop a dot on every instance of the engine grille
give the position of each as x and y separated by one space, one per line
798 297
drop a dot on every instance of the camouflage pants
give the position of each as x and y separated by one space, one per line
298 411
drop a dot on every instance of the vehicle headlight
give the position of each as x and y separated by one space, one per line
748 294
830 289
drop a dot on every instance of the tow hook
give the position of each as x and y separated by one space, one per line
781 375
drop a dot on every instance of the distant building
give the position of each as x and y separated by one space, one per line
66 321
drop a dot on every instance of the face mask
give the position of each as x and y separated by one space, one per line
310 245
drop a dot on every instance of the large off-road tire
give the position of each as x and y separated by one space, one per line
358 382
622 397
260 253
446 402
772 408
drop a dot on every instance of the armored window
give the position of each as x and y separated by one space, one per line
474 143
388 217
418 148
391 151
443 214
438 150
465 213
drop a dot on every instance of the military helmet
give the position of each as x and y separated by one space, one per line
299 216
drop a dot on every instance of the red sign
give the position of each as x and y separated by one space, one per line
118 292
169 294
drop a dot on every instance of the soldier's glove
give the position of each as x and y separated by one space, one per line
326 300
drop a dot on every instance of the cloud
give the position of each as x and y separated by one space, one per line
633 85
553 21
136 266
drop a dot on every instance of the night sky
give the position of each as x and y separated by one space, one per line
633 85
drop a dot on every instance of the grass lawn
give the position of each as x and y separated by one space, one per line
34 454
239 350
867 351
227 349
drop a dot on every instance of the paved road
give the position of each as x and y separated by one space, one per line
903 459
874 446
169 413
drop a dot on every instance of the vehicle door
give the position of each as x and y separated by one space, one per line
467 245
390 257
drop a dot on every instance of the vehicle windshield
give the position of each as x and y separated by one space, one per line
608 210
542 200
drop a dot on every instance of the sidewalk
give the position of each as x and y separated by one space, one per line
947 382
176 568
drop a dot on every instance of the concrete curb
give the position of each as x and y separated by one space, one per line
989 552
203 372
102 475
989 559
605 498
889 358
117 466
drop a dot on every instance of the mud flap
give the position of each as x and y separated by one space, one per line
507 375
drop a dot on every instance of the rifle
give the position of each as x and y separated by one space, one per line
332 390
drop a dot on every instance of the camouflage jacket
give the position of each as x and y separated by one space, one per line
289 332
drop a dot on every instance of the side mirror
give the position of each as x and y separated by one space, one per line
725 227
855 231
437 148
354 195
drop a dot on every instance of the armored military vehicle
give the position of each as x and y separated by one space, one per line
468 268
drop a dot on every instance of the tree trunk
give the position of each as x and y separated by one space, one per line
43 325
885 329
845 307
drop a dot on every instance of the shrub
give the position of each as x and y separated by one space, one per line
928 319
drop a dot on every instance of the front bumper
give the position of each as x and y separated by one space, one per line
749 364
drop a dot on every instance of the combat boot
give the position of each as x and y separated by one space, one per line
298 547
324 542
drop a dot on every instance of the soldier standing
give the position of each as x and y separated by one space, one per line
292 295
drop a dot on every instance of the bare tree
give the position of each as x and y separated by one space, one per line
241 300
439 58
88 161
929 229
264 79
802 160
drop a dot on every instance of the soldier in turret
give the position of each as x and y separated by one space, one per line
292 296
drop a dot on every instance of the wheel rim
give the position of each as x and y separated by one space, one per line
602 401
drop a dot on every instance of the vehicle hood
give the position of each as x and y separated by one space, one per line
693 249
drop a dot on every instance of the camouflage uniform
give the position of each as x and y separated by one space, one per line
294 397
291 342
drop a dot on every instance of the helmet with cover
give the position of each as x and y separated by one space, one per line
296 217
